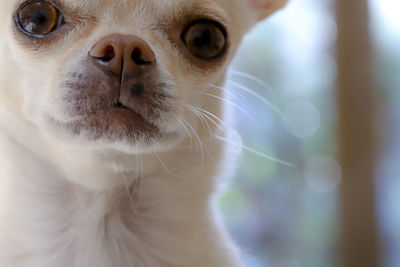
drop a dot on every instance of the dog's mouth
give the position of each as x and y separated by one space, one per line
120 105
118 122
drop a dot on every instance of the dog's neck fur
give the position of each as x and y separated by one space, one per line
131 224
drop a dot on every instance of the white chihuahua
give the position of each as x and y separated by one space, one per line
106 157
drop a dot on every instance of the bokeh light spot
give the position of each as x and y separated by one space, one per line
322 174
303 119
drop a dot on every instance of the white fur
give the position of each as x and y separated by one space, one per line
69 201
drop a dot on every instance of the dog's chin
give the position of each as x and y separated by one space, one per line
117 128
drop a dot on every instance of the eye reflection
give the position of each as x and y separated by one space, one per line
38 18
205 39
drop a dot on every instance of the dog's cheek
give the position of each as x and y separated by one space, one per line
34 74
55 107
62 97
194 95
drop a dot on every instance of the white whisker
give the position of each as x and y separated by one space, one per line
221 125
180 121
252 78
200 116
264 101
169 170
140 177
127 189
231 103
200 143
235 95
254 151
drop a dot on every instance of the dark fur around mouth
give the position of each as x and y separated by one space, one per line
107 109
116 123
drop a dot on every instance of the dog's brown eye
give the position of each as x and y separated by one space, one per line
205 39
38 18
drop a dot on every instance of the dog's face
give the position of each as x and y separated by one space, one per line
120 73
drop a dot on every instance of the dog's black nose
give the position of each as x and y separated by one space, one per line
122 55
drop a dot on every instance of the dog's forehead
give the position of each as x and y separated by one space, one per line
122 13
144 5
138 2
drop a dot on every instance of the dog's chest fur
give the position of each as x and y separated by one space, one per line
51 222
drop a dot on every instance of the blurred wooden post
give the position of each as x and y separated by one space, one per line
357 135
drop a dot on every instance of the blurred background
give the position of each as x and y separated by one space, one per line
284 216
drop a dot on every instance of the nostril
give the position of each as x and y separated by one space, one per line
136 53
103 53
123 54
109 54
137 57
